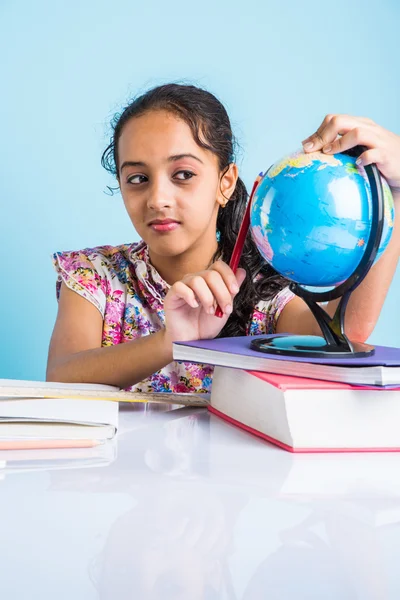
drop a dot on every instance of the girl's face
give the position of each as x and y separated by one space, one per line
171 186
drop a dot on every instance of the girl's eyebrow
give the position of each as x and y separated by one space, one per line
132 163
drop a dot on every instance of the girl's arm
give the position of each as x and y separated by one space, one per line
76 354
366 301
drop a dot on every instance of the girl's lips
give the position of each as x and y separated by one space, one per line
167 226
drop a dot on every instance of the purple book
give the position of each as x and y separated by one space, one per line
380 369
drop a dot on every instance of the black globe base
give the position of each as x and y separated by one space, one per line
332 344
309 346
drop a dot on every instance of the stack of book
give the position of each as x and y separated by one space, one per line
304 404
41 415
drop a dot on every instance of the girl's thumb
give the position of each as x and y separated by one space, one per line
240 276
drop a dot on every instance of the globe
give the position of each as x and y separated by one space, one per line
311 217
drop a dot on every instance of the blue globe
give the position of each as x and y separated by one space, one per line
311 217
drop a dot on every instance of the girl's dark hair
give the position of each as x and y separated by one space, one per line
211 129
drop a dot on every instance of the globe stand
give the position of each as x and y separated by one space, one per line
334 342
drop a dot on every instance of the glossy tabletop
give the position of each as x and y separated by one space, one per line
184 506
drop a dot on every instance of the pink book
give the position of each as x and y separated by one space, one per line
308 415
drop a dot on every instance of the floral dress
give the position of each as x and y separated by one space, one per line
129 293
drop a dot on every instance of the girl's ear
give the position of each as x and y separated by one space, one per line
227 184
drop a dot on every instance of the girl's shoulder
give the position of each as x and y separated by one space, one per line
103 259
100 271
266 312
105 253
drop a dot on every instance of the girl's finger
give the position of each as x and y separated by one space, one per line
328 132
219 290
331 128
309 141
232 280
368 157
240 276
359 135
180 292
203 292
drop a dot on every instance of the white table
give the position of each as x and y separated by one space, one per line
188 507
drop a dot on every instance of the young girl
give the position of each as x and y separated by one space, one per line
120 308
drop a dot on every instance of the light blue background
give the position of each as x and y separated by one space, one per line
66 67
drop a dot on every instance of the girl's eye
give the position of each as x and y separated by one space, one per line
189 173
140 178
130 179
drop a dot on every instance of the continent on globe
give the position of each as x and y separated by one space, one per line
311 217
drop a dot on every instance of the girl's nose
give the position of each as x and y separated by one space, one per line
159 197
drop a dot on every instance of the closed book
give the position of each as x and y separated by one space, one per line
307 415
380 369
34 423
14 388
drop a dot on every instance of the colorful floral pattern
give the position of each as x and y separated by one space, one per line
124 286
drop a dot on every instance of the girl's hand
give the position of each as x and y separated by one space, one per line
190 303
383 145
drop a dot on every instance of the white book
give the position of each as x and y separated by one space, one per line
56 422
15 388
306 415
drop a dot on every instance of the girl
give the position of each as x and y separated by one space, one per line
121 307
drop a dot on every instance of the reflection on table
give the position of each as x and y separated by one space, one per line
188 507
